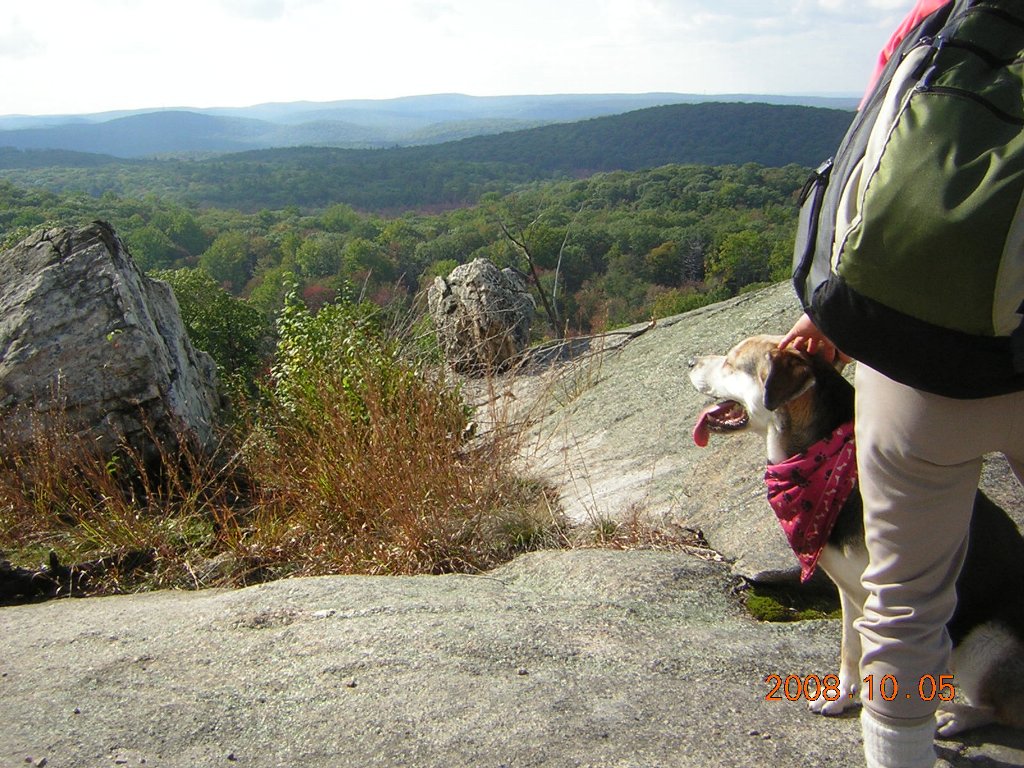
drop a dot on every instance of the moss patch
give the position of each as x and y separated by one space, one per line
782 603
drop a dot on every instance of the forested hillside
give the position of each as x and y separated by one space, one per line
452 174
302 272
611 249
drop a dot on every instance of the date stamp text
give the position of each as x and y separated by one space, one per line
828 687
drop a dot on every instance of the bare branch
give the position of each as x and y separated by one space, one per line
558 265
521 244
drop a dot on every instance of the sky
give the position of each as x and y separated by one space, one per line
87 56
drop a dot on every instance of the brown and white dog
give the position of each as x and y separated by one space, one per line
795 400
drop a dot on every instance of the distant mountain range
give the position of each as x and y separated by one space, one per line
448 174
354 124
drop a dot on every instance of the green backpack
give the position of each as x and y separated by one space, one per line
910 246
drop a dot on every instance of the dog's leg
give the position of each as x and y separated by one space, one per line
844 568
956 717
989 679
953 718
849 662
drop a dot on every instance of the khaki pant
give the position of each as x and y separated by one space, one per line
919 457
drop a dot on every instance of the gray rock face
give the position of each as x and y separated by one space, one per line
587 658
482 316
84 332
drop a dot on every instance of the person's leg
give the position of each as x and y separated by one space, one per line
897 746
919 458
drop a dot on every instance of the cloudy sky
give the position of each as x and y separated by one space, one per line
77 56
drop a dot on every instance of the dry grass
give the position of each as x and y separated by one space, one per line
398 489
636 529
395 486
368 471
139 519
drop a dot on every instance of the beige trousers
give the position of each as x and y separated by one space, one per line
919 458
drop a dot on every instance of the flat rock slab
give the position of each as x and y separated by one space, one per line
612 433
579 658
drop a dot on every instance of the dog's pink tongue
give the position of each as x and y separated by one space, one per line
725 415
701 430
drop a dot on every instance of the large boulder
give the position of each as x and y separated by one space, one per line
482 315
86 337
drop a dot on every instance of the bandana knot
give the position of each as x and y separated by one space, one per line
808 490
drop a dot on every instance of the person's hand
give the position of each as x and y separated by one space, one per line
806 337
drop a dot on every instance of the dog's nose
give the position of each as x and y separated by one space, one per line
691 362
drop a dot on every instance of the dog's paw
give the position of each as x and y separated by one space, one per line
952 719
829 705
832 708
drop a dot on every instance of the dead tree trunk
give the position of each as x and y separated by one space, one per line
520 243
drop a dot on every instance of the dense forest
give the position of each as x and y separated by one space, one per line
453 174
613 249
618 219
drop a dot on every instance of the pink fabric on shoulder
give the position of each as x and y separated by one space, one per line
922 9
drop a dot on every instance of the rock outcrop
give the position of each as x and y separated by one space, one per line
482 316
86 336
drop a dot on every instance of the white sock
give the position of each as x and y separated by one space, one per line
889 746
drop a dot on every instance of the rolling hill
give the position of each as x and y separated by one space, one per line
348 124
453 173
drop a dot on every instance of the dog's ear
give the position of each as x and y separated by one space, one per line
789 376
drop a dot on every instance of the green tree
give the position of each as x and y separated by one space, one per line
742 258
184 229
229 260
339 218
664 264
319 255
234 333
268 294
361 258
151 248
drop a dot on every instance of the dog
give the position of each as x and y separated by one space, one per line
796 400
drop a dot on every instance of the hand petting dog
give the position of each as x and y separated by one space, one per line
806 337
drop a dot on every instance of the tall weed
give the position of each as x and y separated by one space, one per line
364 462
148 518
358 459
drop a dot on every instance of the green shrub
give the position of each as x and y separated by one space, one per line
676 301
322 358
234 333
363 461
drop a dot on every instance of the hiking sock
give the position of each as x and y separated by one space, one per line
903 746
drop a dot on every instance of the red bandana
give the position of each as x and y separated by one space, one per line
808 490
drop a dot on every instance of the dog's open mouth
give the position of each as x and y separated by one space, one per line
719 417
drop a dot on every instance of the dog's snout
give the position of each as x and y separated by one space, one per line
691 362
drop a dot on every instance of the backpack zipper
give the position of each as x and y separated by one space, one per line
928 68
942 90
